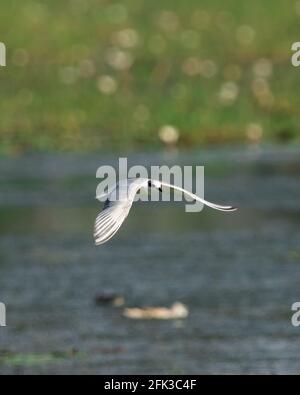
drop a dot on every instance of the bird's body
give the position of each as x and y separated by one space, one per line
120 199
125 190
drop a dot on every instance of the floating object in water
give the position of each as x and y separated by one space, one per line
176 311
115 211
109 298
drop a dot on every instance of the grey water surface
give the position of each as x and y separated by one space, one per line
238 273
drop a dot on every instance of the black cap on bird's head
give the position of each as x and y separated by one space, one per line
155 184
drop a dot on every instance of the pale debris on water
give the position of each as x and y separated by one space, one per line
176 311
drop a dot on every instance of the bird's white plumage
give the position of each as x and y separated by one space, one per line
119 202
199 199
116 210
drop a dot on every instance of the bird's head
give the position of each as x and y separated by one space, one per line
155 184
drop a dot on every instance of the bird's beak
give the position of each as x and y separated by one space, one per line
160 189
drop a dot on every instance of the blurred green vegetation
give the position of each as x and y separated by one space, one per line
27 360
84 75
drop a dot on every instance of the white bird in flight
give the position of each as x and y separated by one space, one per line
115 211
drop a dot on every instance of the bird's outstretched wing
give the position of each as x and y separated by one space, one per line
110 219
115 211
199 199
